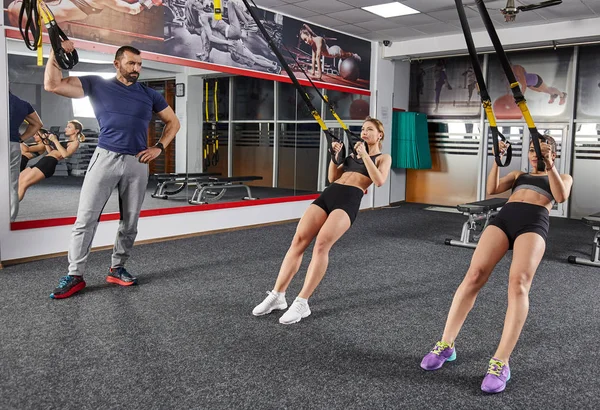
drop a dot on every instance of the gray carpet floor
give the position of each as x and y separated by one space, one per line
60 198
186 338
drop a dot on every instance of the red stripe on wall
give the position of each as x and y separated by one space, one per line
47 223
110 49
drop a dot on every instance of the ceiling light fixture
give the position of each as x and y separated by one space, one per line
388 10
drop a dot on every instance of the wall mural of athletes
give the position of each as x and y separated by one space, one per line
232 41
188 29
117 22
326 55
444 88
588 84
543 79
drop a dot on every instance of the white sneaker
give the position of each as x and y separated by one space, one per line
297 311
272 302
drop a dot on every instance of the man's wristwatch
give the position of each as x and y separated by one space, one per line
161 146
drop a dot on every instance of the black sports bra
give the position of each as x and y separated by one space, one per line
354 165
541 185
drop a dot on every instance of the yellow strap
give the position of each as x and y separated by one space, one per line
526 114
335 115
515 85
489 113
206 99
218 11
318 119
40 51
216 102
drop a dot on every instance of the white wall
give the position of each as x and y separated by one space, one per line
4 141
401 90
510 37
44 241
382 94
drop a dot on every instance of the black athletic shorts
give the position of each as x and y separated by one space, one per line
517 218
338 196
47 165
24 161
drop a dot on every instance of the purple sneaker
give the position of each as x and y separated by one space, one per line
442 352
497 375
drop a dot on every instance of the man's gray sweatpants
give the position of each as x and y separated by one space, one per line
106 171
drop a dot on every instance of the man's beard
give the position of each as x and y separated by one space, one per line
131 77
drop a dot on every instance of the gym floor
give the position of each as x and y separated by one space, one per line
186 338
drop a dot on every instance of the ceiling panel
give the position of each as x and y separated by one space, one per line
594 5
354 16
437 17
294 11
324 6
413 20
327 21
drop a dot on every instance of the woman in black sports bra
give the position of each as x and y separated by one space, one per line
521 225
56 151
327 219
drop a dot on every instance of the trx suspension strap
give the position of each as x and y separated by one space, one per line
218 10
514 84
352 137
36 11
337 159
211 139
483 92
215 156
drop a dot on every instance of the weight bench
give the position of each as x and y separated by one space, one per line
594 222
174 183
215 187
480 213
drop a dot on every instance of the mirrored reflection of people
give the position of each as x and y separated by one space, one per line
522 225
535 83
56 151
441 80
327 219
124 108
19 111
34 149
420 83
470 81
223 36
73 10
320 49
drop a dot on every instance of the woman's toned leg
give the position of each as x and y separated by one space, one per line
527 254
491 248
336 225
308 227
27 178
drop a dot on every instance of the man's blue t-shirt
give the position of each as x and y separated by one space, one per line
123 112
19 109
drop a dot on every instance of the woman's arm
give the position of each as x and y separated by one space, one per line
560 185
496 185
62 151
378 173
71 149
334 172
318 52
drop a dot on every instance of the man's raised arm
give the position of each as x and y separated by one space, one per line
53 79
